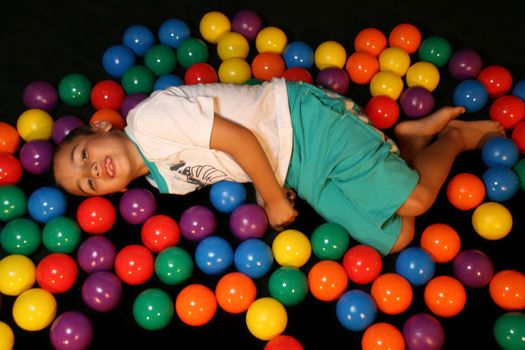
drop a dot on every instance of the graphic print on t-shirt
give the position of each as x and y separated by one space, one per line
200 175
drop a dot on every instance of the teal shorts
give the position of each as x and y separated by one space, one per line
347 170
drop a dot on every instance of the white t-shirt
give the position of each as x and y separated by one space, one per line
172 129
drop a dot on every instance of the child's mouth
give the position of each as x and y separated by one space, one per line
108 166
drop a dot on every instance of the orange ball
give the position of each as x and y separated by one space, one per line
9 138
445 296
441 241
507 289
405 36
465 191
371 40
268 65
361 67
392 293
235 292
196 305
381 336
327 280
110 115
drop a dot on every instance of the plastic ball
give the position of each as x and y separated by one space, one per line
289 285
392 293
386 84
406 36
441 241
12 202
137 205
415 265
160 232
9 138
473 268
492 221
283 342
330 54
497 79
134 264
394 60
232 45
21 236
445 296
214 255
96 253
153 309
519 89
382 335
291 248
424 74
370 40
10 169
253 257
74 89
161 59
465 191
235 71
138 38
423 331
267 65
107 94
436 50
298 54
213 25
200 73
130 101
248 23
56 273
196 305
101 291
96 215
36 156
327 280
71 330
34 309
173 266
248 221
362 263
416 102
470 94
382 111
40 94
117 59
166 81
501 183
465 64
235 292
356 310
298 74
226 196
271 39
197 222
334 79
518 136
113 116
507 289
173 31
500 151
63 126
34 124
17 274
330 241
138 79
7 337
509 330
266 318
508 110
361 67
519 168
192 50
61 235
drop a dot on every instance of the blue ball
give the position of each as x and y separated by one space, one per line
298 54
253 257
46 203
500 151
165 81
416 265
226 196
173 31
117 59
138 38
214 255
501 183
356 310
519 89
471 94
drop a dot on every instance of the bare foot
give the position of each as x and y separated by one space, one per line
474 134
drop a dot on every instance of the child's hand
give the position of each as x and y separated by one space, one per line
281 212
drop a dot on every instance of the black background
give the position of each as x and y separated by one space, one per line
47 40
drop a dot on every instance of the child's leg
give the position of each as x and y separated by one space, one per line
406 235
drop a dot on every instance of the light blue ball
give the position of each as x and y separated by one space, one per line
471 94
226 196
165 81
416 265
253 257
500 151
138 38
501 183
117 59
519 89
213 255
173 31
298 54
46 203
356 310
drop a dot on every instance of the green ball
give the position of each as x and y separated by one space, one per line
288 285
253 81
21 236
161 59
153 309
436 50
173 265
330 241
61 235
75 89
13 202
191 51
509 331
138 79
519 168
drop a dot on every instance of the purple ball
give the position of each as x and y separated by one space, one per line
197 222
248 23
465 64
36 156
40 94
248 221
335 79
72 330
137 205
423 332
416 102
96 253
473 268
102 291
63 126
130 101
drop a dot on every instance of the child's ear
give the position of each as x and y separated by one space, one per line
102 125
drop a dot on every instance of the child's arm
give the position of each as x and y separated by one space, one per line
244 147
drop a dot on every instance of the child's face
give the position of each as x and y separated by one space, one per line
95 165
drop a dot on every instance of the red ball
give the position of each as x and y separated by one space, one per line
509 110
200 73
134 264
362 263
465 191
56 273
96 215
518 136
160 232
10 169
497 80
361 67
268 65
298 74
283 342
107 94
382 111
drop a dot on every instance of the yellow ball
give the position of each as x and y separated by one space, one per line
386 84
234 70
34 309
34 124
232 44
17 274
214 24
266 318
424 74
492 220
271 39
395 60
7 337
330 54
291 248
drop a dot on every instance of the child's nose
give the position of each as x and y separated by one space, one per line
95 169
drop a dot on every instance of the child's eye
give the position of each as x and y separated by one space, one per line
84 155
91 184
